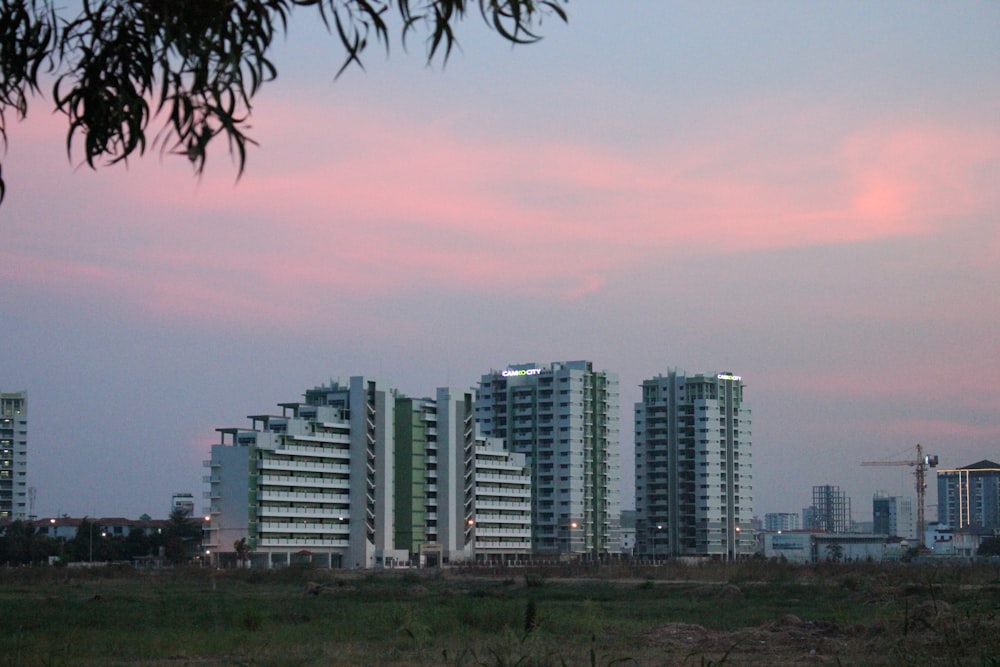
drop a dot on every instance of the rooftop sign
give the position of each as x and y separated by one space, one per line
510 372
727 376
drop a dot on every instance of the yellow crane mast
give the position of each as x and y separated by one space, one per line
921 464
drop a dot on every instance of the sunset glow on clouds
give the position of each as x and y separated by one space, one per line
403 204
837 247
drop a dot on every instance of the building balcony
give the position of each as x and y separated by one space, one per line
503 492
500 545
485 477
304 482
264 542
486 517
334 529
313 513
303 496
302 466
498 531
331 445
485 465
497 501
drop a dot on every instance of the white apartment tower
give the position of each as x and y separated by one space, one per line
564 420
14 455
693 467
433 481
314 482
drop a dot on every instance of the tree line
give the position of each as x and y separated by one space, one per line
22 543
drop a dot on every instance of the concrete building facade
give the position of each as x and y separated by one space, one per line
563 418
893 516
359 476
501 525
775 522
448 483
969 497
311 484
14 455
812 547
693 467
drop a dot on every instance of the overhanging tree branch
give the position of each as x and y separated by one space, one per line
118 64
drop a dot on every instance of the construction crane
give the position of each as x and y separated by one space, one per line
921 464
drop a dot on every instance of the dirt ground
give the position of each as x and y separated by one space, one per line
932 636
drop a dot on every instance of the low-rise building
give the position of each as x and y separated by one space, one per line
814 547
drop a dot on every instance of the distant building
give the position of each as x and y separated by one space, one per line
893 516
628 531
830 511
781 521
809 518
813 547
970 496
66 528
564 419
14 455
182 501
693 467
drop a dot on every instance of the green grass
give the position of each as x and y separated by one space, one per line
582 617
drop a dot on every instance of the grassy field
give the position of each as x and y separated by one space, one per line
752 613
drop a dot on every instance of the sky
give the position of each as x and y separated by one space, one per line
805 194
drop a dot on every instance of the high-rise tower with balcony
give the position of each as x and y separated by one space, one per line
563 418
14 455
693 467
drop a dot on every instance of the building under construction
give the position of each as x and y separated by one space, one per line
830 511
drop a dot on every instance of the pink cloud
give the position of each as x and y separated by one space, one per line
375 202
931 430
913 174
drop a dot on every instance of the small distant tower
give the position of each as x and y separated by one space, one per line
183 501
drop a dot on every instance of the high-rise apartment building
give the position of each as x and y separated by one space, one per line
457 495
893 516
563 418
693 467
359 476
970 496
14 455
